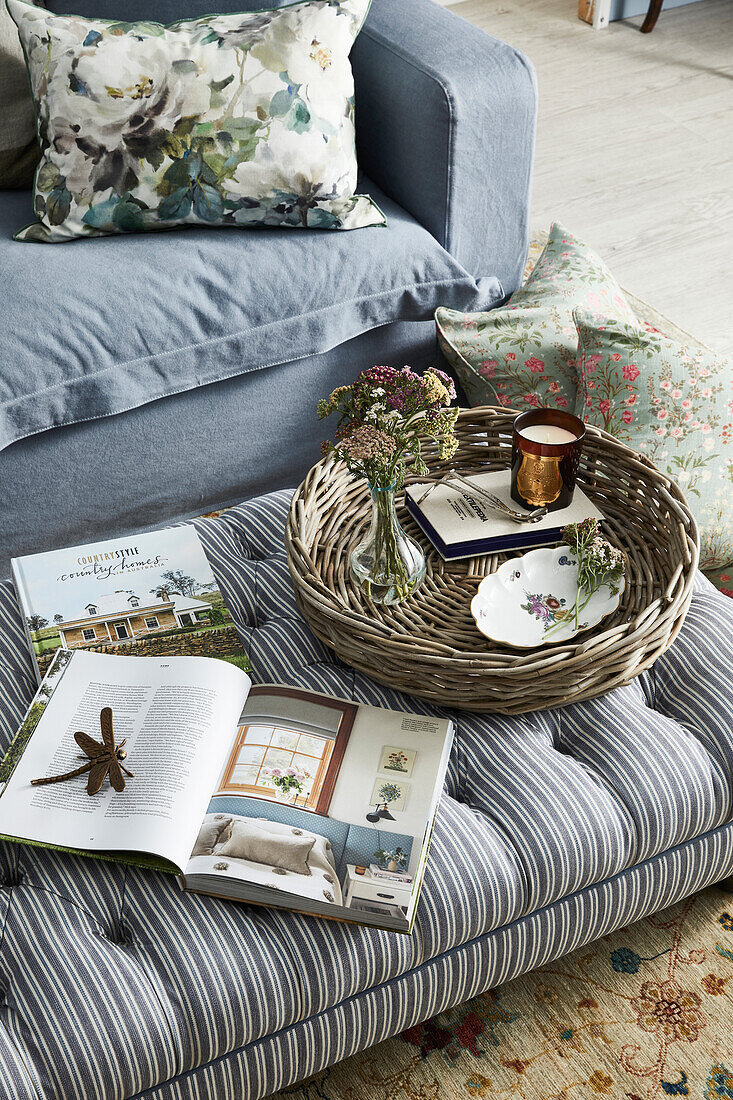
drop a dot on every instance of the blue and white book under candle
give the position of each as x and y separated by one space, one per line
461 525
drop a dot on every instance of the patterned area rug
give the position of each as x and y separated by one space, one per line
643 1014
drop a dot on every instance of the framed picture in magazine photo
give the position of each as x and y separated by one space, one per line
397 759
390 792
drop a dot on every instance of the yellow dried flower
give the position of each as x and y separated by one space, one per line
447 447
339 394
435 392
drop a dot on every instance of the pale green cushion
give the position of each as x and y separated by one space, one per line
674 404
524 354
240 119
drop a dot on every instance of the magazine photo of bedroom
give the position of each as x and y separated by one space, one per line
324 799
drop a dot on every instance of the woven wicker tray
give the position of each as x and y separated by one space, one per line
429 646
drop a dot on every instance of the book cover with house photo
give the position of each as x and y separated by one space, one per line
149 595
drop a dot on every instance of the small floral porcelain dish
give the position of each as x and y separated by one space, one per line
529 600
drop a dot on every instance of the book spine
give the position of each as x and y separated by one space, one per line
454 550
25 611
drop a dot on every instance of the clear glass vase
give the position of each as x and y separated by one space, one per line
388 564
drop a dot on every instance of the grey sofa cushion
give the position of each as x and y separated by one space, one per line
194 452
97 327
19 149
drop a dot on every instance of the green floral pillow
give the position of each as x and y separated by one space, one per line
524 353
675 405
244 119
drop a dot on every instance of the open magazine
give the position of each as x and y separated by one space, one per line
268 795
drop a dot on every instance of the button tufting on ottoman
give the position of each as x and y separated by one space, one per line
555 828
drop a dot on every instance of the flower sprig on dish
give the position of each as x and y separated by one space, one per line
599 563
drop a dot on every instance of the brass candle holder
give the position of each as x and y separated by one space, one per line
546 449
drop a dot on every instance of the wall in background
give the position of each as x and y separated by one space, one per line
620 9
372 730
624 9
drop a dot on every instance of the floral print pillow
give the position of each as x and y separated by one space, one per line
675 405
524 354
244 119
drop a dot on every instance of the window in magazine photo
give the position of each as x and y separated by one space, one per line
295 762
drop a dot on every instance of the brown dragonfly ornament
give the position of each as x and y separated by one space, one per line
104 758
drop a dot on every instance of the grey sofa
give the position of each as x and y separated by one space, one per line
151 378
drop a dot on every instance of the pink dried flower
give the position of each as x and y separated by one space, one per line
382 415
366 443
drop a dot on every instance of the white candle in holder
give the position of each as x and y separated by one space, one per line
547 433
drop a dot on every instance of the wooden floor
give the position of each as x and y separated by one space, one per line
635 146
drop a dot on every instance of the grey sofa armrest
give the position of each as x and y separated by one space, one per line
445 119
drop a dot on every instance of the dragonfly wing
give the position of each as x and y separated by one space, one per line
108 736
91 747
97 775
116 777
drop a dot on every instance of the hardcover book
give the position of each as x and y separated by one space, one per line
461 525
262 794
150 595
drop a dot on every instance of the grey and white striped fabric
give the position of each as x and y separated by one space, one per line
554 829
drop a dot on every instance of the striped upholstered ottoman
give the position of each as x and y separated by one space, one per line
554 828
